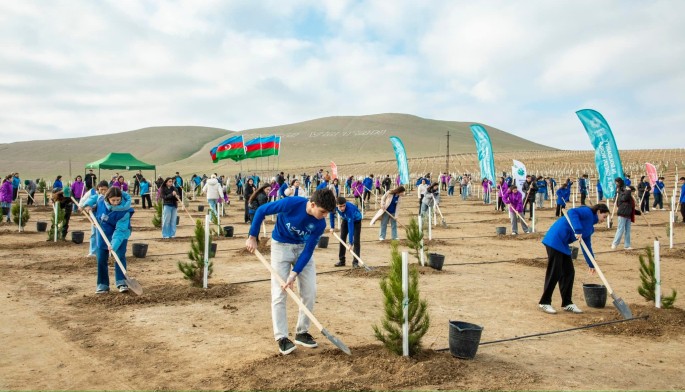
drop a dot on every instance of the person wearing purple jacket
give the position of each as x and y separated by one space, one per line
358 192
78 189
276 190
299 225
502 189
6 196
514 199
121 183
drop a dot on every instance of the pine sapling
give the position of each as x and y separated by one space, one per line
648 278
390 332
414 237
194 270
157 216
24 214
215 223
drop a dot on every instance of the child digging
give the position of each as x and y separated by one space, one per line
113 213
350 227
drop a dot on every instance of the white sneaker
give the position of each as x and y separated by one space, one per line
91 255
628 248
381 239
613 246
547 308
573 308
514 233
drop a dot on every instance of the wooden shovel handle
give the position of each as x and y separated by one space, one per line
292 294
184 208
592 259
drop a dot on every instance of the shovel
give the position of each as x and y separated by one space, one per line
353 254
519 216
441 216
337 342
130 282
618 302
184 209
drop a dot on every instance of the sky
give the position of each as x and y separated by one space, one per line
80 67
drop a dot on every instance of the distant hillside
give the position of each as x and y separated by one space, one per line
156 145
314 143
352 139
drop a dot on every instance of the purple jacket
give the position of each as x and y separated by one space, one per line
6 192
515 200
503 189
357 188
77 189
274 189
122 185
486 185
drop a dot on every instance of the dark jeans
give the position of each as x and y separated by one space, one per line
149 200
500 203
682 210
658 200
15 192
559 270
559 208
29 202
367 195
136 188
583 196
530 202
356 239
644 206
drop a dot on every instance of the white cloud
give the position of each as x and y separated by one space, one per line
80 68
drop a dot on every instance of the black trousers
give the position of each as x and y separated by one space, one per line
559 208
645 203
500 203
420 202
367 195
583 196
559 270
136 188
658 200
356 239
29 202
682 210
149 200
529 202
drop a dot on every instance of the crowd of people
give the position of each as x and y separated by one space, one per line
301 204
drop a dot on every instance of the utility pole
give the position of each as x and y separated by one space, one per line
447 164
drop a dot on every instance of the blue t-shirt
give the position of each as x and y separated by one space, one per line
293 226
393 204
561 234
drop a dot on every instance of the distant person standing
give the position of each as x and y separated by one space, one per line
169 197
214 193
30 187
6 196
58 183
390 203
121 184
625 212
350 227
582 187
249 188
643 189
78 189
145 193
178 183
90 180
136 182
16 182
681 181
563 196
659 193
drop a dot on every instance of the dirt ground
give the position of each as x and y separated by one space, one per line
57 334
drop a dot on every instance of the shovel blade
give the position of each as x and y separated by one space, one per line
622 307
337 342
134 286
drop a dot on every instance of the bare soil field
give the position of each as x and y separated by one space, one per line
57 334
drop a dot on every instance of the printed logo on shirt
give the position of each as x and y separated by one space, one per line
299 232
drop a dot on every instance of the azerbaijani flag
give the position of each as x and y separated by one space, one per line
253 148
230 148
270 145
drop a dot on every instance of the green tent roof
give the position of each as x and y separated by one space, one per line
121 161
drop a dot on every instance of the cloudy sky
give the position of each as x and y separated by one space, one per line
75 68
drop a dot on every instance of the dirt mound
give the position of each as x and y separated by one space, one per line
661 322
521 237
262 247
540 263
381 272
372 367
161 294
677 253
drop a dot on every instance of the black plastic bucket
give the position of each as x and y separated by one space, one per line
212 249
436 261
228 231
77 237
464 339
501 230
595 295
200 208
574 252
139 250
41 226
323 242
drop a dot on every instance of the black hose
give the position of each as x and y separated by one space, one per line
555 332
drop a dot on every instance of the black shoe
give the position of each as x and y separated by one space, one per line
340 263
355 264
305 339
285 346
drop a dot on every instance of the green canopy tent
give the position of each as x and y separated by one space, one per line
120 161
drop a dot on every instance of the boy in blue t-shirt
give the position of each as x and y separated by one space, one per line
299 226
351 227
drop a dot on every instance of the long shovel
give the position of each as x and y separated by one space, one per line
337 342
618 302
519 216
441 216
351 251
184 209
130 282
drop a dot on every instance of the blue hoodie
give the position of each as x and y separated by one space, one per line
658 187
682 193
368 184
561 235
563 195
293 226
121 214
351 215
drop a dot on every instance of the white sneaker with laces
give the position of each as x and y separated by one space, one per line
547 308
613 246
573 308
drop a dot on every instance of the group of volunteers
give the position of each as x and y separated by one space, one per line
301 204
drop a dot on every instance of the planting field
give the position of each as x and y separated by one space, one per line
57 333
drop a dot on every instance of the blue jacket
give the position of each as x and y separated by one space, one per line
57 184
627 181
658 187
582 184
351 215
561 235
114 220
322 185
682 194
144 188
542 186
293 226
16 181
563 195
599 186
368 184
